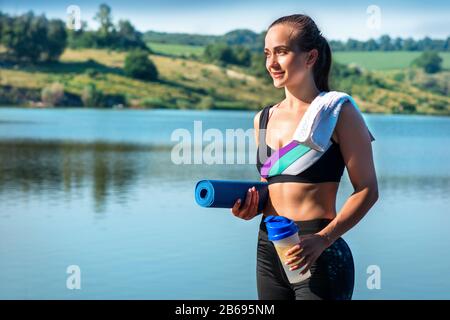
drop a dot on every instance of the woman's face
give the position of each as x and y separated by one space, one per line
285 63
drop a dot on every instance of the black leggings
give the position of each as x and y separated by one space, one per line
332 275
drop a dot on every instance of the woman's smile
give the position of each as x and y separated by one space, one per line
278 74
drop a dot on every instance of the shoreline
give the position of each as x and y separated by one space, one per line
134 108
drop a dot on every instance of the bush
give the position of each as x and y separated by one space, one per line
439 105
224 54
404 107
430 61
53 94
205 72
211 91
139 66
91 97
154 103
183 103
90 72
399 76
206 103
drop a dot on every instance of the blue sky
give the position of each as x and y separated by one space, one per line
337 19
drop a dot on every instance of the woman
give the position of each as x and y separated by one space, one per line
299 58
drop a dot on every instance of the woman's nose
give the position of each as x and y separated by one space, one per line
272 62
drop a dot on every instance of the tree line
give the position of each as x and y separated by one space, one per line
255 41
386 43
36 38
122 36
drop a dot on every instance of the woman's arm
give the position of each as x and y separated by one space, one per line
356 149
256 130
250 207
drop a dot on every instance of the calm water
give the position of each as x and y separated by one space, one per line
98 189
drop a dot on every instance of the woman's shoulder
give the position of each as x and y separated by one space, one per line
258 115
351 123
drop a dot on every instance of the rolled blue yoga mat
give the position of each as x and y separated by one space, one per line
224 193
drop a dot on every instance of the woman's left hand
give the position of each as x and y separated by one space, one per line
306 252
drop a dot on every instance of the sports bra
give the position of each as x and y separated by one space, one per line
328 168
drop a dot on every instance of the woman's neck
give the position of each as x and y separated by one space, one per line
300 96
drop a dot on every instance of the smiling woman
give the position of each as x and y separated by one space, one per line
304 177
285 47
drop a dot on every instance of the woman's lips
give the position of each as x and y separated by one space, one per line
277 75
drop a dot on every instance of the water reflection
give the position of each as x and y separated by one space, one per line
113 171
39 167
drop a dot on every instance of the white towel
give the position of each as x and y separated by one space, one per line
318 123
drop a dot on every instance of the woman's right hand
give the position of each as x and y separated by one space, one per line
250 208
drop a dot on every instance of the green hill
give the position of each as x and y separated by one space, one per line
192 84
384 60
183 83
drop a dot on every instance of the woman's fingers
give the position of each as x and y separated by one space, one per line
292 250
248 200
239 209
295 250
247 211
307 265
255 199
235 208
300 263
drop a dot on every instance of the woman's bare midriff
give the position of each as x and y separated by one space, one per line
302 201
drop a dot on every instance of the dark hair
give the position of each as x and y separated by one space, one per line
308 36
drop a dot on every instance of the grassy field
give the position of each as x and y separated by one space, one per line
372 60
175 49
384 60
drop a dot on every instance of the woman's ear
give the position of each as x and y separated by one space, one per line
311 57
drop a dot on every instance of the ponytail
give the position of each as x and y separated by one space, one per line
322 66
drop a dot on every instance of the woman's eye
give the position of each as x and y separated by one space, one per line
282 52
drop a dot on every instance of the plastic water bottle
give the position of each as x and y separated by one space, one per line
283 233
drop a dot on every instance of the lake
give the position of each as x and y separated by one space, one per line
97 189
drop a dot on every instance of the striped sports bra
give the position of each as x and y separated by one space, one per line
328 168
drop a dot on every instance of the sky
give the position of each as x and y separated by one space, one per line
338 20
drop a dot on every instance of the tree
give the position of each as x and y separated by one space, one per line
447 44
103 17
219 52
139 66
128 37
106 33
22 36
123 36
222 52
430 61
33 37
258 67
398 43
371 45
56 39
242 56
409 44
385 43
